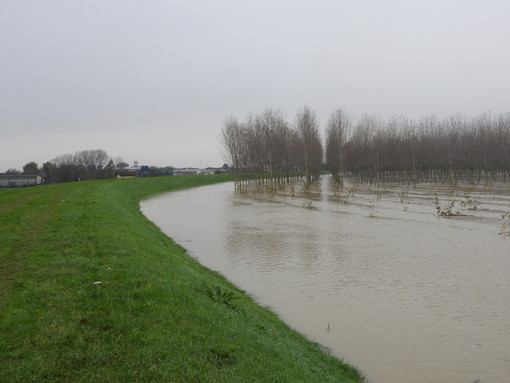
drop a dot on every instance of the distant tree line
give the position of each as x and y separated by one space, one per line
83 165
370 149
86 165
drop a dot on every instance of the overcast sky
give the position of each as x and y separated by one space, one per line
153 80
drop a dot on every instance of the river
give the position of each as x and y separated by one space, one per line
378 277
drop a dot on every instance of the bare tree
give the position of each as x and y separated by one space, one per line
87 164
339 125
92 160
230 139
307 127
30 168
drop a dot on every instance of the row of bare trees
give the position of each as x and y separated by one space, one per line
273 149
430 149
370 149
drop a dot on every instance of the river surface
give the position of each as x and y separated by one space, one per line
377 276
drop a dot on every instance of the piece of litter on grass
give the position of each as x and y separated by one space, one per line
97 283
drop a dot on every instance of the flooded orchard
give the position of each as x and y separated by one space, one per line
383 275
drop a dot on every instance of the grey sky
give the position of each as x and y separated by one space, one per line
153 80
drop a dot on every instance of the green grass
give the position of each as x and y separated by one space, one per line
156 316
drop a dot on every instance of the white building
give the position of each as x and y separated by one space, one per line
186 172
8 180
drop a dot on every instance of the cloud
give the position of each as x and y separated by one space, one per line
154 80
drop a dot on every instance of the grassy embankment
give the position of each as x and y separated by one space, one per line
156 316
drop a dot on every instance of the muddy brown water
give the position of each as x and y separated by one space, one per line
379 279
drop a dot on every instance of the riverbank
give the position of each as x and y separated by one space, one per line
90 290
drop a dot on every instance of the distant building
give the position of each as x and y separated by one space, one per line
187 171
13 181
123 174
208 171
128 171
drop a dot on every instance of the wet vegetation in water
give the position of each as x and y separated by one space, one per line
505 225
279 155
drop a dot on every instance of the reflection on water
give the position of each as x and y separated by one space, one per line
381 280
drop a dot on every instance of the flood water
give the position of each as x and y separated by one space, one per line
379 278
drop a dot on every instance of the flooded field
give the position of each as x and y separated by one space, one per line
372 273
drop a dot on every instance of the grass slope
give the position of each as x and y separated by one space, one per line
156 316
